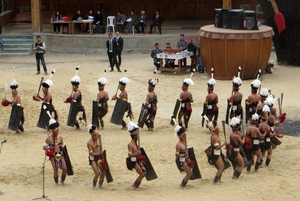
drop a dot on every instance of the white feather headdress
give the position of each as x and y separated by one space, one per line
102 81
266 109
264 92
188 81
270 101
124 80
132 126
255 117
212 81
235 121
237 80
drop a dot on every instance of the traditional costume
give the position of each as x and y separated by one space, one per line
251 105
234 102
151 103
186 98
102 103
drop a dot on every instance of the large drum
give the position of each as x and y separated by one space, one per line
227 49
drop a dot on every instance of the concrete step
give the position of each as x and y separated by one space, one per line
25 45
17 41
8 54
16 50
17 37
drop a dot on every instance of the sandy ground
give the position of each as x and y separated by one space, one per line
22 156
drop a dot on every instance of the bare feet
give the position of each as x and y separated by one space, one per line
78 129
125 128
248 172
184 187
56 184
98 128
62 183
102 128
137 189
186 129
217 183
236 178
256 171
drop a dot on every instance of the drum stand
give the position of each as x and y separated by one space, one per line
43 172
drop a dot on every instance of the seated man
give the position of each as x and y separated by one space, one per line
182 45
120 21
154 52
157 21
78 17
131 20
141 22
169 62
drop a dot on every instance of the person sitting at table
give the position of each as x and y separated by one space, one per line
192 48
89 16
169 62
78 17
57 17
131 20
154 52
99 20
141 22
157 21
182 45
121 18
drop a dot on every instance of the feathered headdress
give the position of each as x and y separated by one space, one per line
48 83
179 130
76 79
237 81
256 83
255 117
270 101
91 128
132 126
264 93
235 122
153 82
102 81
212 81
52 123
14 84
188 82
124 81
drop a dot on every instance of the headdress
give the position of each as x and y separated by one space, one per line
179 130
153 82
235 122
52 123
48 83
270 101
14 84
255 117
76 79
132 126
237 81
102 81
91 128
212 81
256 83
188 82
264 93
124 81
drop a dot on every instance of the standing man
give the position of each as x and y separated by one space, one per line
135 156
1 42
141 22
111 52
151 102
154 52
96 156
192 48
53 147
40 48
200 62
157 21
119 42
182 45
121 18
131 20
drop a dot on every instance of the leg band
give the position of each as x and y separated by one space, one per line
237 174
216 179
63 177
123 124
137 184
101 123
94 183
183 183
56 179
100 182
249 167
257 165
268 161
180 124
77 125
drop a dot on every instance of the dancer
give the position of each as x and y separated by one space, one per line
53 147
182 158
186 98
96 156
253 99
151 102
263 96
102 98
135 159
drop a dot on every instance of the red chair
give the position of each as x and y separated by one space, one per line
65 25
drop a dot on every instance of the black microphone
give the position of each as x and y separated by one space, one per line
3 141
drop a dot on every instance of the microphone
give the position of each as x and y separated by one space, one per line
3 141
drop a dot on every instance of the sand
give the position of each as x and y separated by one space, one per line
22 156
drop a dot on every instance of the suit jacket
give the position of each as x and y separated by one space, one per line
184 47
114 46
144 18
133 18
158 20
154 52
122 17
119 43
192 48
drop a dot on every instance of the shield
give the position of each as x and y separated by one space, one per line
176 108
227 113
143 115
72 113
15 117
196 172
95 121
118 113
44 119
203 114
149 169
68 161
107 172
225 161
247 111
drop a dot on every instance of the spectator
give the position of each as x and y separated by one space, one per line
182 45
154 52
121 18
89 16
200 62
57 17
119 48
192 48
99 20
141 22
169 62
78 17
131 20
111 52
157 21
1 42
40 48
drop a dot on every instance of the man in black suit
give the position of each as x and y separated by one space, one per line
111 52
154 53
157 21
119 42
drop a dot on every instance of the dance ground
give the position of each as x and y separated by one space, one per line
22 156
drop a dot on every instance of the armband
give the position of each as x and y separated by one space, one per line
64 145
147 103
91 151
192 100
206 103
247 103
180 100
216 144
124 99
230 103
129 152
176 152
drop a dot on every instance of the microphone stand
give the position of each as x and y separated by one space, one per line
43 172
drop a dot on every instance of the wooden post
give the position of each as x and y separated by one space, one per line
36 16
226 3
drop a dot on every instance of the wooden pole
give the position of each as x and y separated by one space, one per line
36 16
227 4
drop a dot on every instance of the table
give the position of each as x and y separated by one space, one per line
227 49
83 22
180 55
61 22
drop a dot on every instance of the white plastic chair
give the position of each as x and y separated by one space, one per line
111 20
